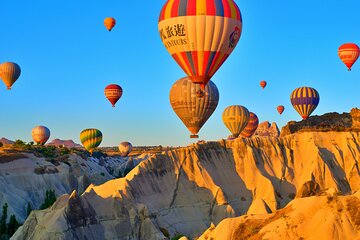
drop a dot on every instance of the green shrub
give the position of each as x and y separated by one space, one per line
50 198
177 237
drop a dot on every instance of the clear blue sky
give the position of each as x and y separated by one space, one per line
67 57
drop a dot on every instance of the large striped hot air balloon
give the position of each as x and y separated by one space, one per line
349 53
200 34
91 139
40 134
280 109
113 93
193 111
305 100
236 118
109 23
9 73
263 84
125 148
251 127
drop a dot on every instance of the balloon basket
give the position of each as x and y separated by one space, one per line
194 136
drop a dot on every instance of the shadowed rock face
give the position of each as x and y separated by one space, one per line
185 190
327 122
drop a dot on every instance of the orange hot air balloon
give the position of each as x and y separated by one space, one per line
9 73
280 109
263 84
113 93
200 35
349 53
109 23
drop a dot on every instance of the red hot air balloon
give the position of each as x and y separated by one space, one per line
280 109
200 35
263 84
113 93
251 127
349 53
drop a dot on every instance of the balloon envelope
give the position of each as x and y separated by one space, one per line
263 84
236 118
305 100
349 53
109 23
200 35
40 134
280 109
9 73
251 127
193 111
113 93
125 148
91 139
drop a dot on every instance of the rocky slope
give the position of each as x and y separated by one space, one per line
265 129
64 143
184 191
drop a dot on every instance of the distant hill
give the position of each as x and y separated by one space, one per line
66 143
265 129
6 141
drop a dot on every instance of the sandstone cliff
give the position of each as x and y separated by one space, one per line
184 191
265 129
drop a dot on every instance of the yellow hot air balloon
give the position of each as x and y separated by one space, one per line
109 23
91 139
40 134
200 35
193 111
125 148
9 73
236 118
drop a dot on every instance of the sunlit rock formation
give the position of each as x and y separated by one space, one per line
265 129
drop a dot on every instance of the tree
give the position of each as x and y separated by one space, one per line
12 226
50 198
19 144
28 209
3 219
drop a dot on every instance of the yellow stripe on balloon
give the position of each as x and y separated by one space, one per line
201 40
217 63
183 63
168 9
232 8
200 7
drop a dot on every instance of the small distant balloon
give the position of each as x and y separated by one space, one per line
280 109
40 134
251 127
305 100
91 139
109 23
236 118
349 53
125 148
9 73
263 84
113 93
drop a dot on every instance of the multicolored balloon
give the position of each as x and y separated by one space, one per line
236 118
91 139
263 84
113 93
251 127
125 148
305 100
280 109
193 111
40 134
200 35
9 73
349 53
109 23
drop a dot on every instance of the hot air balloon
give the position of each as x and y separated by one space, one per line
236 118
125 148
280 109
192 110
113 93
200 35
9 73
40 134
305 100
349 53
263 84
251 127
91 139
109 23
